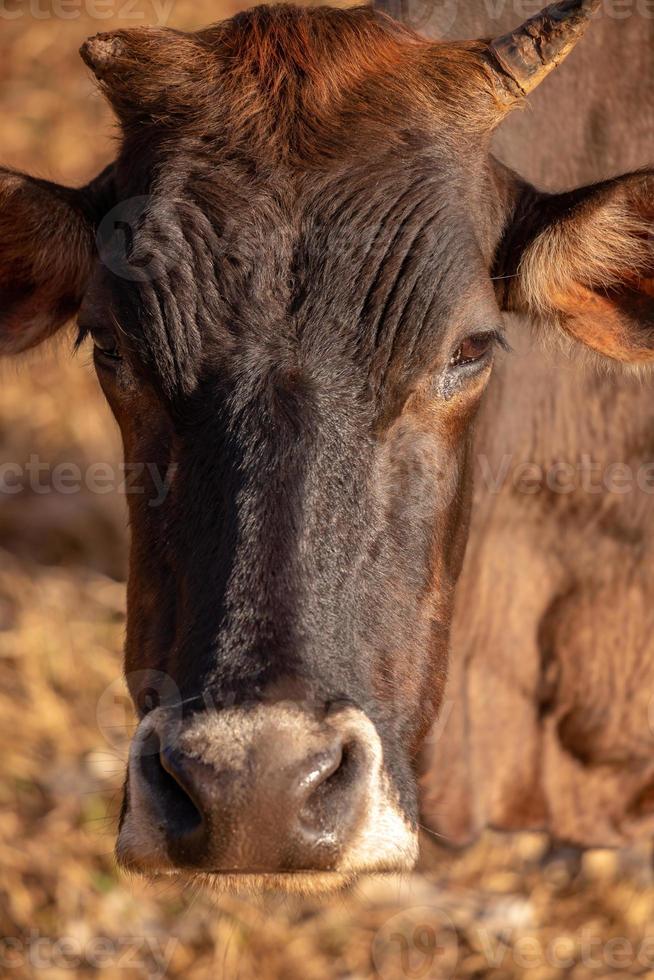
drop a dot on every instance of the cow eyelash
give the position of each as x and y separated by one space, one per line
82 333
476 348
104 341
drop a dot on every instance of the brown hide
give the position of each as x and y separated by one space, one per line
548 719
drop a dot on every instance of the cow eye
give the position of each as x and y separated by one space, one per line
106 345
475 348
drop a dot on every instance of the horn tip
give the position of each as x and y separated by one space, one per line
568 8
100 52
526 55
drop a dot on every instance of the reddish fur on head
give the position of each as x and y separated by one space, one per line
291 77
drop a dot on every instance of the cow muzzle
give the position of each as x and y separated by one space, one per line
268 792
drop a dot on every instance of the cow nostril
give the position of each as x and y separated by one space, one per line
173 802
324 767
343 772
326 785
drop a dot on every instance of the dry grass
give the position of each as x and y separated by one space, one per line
508 906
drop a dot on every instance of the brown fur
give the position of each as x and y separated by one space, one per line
40 286
292 78
589 271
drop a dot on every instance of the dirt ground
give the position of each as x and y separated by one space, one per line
508 908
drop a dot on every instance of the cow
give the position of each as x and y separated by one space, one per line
294 276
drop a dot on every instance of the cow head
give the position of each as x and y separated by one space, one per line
293 276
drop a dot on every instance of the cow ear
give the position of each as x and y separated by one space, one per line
585 259
47 247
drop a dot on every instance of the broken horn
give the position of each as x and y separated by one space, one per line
524 57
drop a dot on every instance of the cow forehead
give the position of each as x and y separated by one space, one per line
354 266
313 236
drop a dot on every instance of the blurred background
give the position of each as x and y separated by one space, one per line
510 907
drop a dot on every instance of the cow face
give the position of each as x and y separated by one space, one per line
294 318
